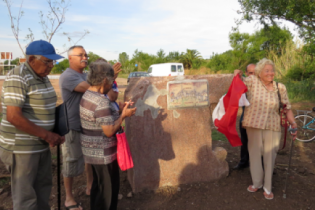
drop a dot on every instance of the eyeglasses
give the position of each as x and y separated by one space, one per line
82 56
269 71
48 63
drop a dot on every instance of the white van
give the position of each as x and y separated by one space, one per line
166 69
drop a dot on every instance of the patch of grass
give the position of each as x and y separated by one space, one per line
217 136
4 181
120 97
303 105
53 157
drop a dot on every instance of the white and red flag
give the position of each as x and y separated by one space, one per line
225 114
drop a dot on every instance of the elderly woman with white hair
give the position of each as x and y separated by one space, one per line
262 123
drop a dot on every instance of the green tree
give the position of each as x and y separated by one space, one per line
13 62
275 38
60 67
129 67
243 50
173 56
160 56
250 48
222 61
189 57
144 60
92 57
123 58
112 62
299 12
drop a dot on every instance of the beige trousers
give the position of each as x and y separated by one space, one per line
262 143
31 179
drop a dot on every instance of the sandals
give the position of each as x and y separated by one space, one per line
268 196
77 206
251 188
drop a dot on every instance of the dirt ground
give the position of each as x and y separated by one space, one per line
226 193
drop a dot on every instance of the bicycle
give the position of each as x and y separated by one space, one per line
306 126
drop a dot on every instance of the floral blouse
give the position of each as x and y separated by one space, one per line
263 111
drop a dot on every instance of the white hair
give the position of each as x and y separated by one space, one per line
36 56
261 64
73 47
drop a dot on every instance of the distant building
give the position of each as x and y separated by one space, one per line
1 68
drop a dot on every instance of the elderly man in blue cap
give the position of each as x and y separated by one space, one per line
28 104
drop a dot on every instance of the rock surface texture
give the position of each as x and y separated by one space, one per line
171 147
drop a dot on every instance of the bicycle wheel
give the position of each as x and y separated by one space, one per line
305 134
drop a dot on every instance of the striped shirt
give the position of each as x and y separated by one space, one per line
95 111
37 99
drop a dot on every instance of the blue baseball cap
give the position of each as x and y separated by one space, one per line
41 47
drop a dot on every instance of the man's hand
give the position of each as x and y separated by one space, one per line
238 72
63 139
16 118
53 139
117 69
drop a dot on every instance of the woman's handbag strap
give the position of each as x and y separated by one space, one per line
283 118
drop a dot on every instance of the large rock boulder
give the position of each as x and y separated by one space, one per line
173 146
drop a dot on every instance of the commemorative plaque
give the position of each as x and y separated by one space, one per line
187 93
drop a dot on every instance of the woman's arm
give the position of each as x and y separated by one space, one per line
290 118
110 130
285 100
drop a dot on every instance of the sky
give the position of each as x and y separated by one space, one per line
126 25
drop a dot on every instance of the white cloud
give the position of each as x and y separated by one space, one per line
79 18
149 25
172 25
6 36
108 55
188 25
10 46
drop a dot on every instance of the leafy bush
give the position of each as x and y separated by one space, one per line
298 73
219 62
196 64
300 90
60 67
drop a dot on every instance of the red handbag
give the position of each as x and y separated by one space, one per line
123 151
